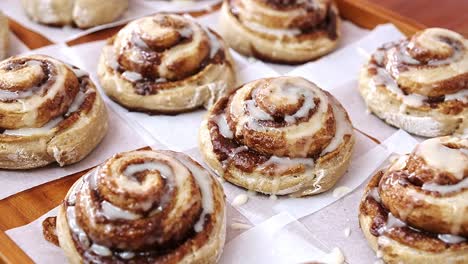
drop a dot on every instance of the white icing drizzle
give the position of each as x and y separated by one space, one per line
36 130
126 255
164 170
343 127
278 32
185 32
112 212
374 193
45 129
294 93
240 200
392 222
203 180
79 73
132 76
223 127
8 95
451 239
214 42
101 250
283 164
444 189
255 112
384 78
461 96
443 158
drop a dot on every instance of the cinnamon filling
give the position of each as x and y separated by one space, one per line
146 58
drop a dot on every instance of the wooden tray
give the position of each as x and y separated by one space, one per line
24 207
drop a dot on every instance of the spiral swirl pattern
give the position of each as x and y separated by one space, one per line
165 57
144 206
423 76
34 90
307 29
278 127
43 104
420 201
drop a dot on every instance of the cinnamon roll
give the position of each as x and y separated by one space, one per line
278 136
165 63
49 112
289 32
144 207
416 209
80 13
420 84
4 36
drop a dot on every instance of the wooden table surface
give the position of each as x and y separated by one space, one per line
409 16
451 14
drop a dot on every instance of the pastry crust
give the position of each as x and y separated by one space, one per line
166 64
302 146
202 243
82 13
4 36
419 84
289 33
414 211
66 137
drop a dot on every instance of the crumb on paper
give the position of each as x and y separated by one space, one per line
240 200
347 231
49 230
240 226
341 191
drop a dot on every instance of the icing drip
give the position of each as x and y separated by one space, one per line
443 158
283 164
132 76
451 239
164 170
203 180
392 222
445 189
385 79
223 127
343 127
113 212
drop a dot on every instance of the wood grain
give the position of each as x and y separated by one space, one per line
451 14
26 206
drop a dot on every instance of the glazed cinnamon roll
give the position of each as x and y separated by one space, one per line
165 63
4 36
144 207
416 210
278 136
288 32
420 84
80 13
49 112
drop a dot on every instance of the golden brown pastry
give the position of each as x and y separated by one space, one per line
165 63
81 13
278 136
49 112
420 84
291 32
144 207
416 210
4 36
